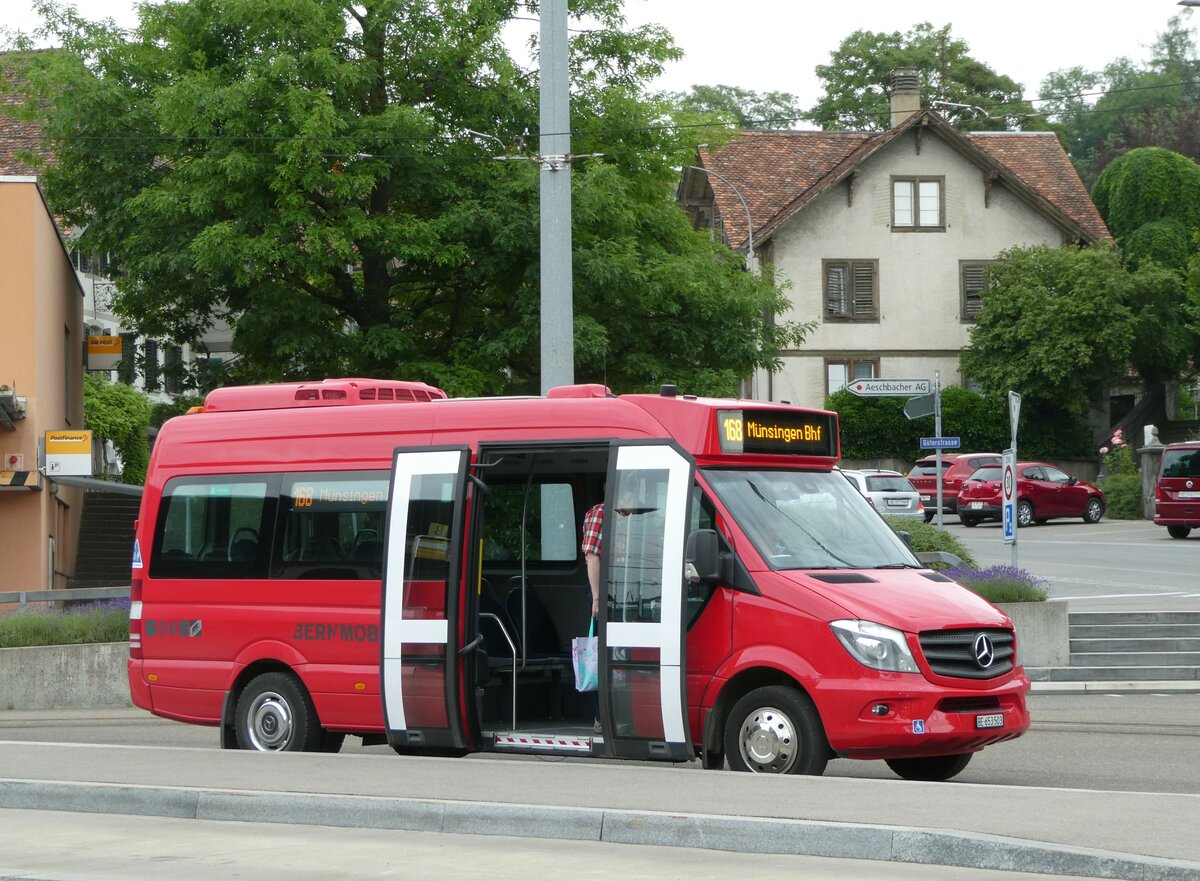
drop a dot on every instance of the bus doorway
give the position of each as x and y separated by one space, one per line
505 668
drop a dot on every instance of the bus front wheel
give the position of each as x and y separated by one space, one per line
275 714
776 730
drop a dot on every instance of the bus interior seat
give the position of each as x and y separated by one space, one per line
244 550
321 549
541 638
369 553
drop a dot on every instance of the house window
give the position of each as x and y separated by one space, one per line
173 370
127 367
917 204
840 373
851 290
972 286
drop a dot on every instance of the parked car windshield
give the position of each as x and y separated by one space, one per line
991 472
1181 463
892 483
809 520
924 469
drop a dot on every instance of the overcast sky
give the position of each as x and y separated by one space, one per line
773 45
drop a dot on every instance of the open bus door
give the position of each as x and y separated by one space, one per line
420 677
642 671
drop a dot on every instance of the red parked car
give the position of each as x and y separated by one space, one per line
1043 491
956 468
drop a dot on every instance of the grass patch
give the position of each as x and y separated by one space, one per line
930 537
1000 584
43 624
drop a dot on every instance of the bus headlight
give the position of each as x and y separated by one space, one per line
875 646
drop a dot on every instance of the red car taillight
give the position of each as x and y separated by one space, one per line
1159 495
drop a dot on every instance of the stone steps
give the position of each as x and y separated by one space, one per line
1129 647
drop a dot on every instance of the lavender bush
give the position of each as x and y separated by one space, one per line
44 624
1000 584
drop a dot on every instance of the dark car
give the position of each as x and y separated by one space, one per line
1177 493
1043 491
956 468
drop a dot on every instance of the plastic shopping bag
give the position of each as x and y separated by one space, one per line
585 659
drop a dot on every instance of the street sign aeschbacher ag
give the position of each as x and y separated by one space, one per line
888 388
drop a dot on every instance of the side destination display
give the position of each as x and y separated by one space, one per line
777 432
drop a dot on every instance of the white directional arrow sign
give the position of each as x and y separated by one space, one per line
889 388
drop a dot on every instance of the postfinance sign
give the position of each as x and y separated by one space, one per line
69 453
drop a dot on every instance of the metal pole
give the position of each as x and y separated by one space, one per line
554 147
937 432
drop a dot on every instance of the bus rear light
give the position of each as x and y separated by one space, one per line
135 619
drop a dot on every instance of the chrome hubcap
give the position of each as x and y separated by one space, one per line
768 741
270 722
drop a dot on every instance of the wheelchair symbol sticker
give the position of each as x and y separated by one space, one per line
918 726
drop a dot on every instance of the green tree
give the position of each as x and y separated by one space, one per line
1056 325
857 81
121 414
743 108
307 169
1155 103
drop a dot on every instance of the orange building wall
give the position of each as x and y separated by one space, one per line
41 357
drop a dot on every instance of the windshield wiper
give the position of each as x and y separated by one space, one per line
898 566
796 523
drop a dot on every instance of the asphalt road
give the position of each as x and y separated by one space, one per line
1113 565
1128 742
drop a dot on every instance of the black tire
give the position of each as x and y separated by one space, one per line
1025 516
776 730
929 517
930 767
331 741
1093 510
1178 531
275 714
968 521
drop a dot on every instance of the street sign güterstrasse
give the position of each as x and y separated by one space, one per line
886 388
940 443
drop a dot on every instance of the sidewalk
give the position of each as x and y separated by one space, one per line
1063 832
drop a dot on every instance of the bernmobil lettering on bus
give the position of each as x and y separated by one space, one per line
372 560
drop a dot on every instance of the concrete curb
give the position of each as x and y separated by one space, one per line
943 847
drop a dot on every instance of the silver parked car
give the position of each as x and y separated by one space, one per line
890 492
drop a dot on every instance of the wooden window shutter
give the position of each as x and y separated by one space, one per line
973 287
864 290
836 302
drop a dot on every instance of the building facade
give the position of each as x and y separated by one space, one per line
883 238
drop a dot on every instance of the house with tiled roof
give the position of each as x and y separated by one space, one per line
883 236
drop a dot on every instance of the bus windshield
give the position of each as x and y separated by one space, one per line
809 520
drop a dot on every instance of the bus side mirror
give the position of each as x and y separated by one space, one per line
702 556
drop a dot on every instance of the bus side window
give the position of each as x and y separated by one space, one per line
211 527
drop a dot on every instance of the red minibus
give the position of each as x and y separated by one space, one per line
314 561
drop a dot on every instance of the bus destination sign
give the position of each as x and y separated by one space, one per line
777 432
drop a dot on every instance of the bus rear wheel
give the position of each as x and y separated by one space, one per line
275 714
776 730
1178 531
930 767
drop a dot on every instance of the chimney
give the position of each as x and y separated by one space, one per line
906 94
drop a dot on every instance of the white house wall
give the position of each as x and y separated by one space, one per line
920 328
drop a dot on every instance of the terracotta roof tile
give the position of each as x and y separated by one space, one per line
1039 160
779 172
